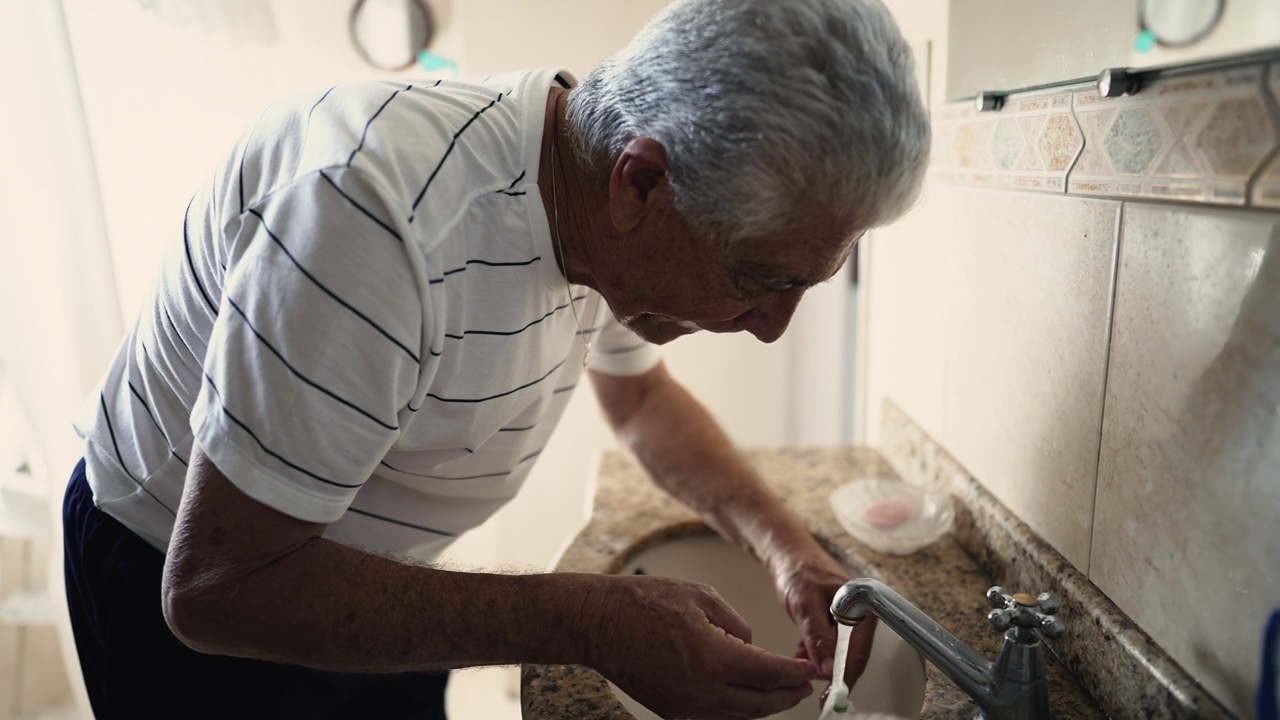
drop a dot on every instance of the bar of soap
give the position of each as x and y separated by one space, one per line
891 516
886 514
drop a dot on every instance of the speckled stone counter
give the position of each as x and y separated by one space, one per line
947 580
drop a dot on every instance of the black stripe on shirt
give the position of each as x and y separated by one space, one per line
429 87
152 364
313 107
501 394
389 466
143 402
453 143
268 450
165 309
564 389
106 415
486 263
191 264
279 243
365 134
509 191
519 462
298 373
402 523
362 209
508 333
518 429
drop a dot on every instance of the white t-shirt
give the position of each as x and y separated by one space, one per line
363 322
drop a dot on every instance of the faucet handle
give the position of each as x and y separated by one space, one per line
1025 612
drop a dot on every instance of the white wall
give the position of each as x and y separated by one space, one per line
165 101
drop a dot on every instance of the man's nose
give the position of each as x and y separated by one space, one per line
768 320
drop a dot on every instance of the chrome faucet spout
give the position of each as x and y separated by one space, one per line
1011 688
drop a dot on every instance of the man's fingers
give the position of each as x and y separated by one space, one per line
820 642
751 702
726 618
755 667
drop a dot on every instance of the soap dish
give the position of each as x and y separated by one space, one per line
892 516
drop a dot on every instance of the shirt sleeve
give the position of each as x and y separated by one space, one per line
316 348
618 351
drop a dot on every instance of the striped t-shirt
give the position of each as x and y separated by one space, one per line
362 321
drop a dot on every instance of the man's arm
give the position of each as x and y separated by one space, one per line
245 580
689 456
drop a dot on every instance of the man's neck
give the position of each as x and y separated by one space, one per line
577 205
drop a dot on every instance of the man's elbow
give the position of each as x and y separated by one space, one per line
194 615
188 619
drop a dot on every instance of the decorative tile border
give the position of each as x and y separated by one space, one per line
1030 144
1266 189
1115 661
1210 138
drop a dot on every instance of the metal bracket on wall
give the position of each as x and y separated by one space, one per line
1119 82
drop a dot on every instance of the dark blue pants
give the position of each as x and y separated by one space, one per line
135 668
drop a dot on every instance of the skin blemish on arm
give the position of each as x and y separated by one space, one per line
218 535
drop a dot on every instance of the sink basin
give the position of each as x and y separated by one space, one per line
894 679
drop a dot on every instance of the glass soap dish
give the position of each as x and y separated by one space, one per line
892 516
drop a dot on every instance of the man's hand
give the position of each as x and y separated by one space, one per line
685 452
806 587
680 650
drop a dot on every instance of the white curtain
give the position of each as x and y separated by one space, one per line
59 313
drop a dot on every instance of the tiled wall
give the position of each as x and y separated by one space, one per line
1207 138
1085 311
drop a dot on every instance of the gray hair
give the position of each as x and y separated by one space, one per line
768 110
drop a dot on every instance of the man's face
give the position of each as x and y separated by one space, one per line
665 282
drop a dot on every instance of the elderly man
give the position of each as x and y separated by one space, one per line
368 329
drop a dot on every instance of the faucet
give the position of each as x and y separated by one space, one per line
1011 688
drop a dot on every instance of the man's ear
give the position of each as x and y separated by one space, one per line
638 183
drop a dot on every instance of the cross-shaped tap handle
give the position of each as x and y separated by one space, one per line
1026 612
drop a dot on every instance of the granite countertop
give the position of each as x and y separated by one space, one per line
942 579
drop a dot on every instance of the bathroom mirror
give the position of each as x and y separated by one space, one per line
389 34
1180 22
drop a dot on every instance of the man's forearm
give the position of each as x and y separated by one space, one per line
687 454
379 615
243 579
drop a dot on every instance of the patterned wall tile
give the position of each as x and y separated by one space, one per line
1266 189
1030 143
1007 143
1060 143
1238 134
1212 138
1133 140
1197 138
